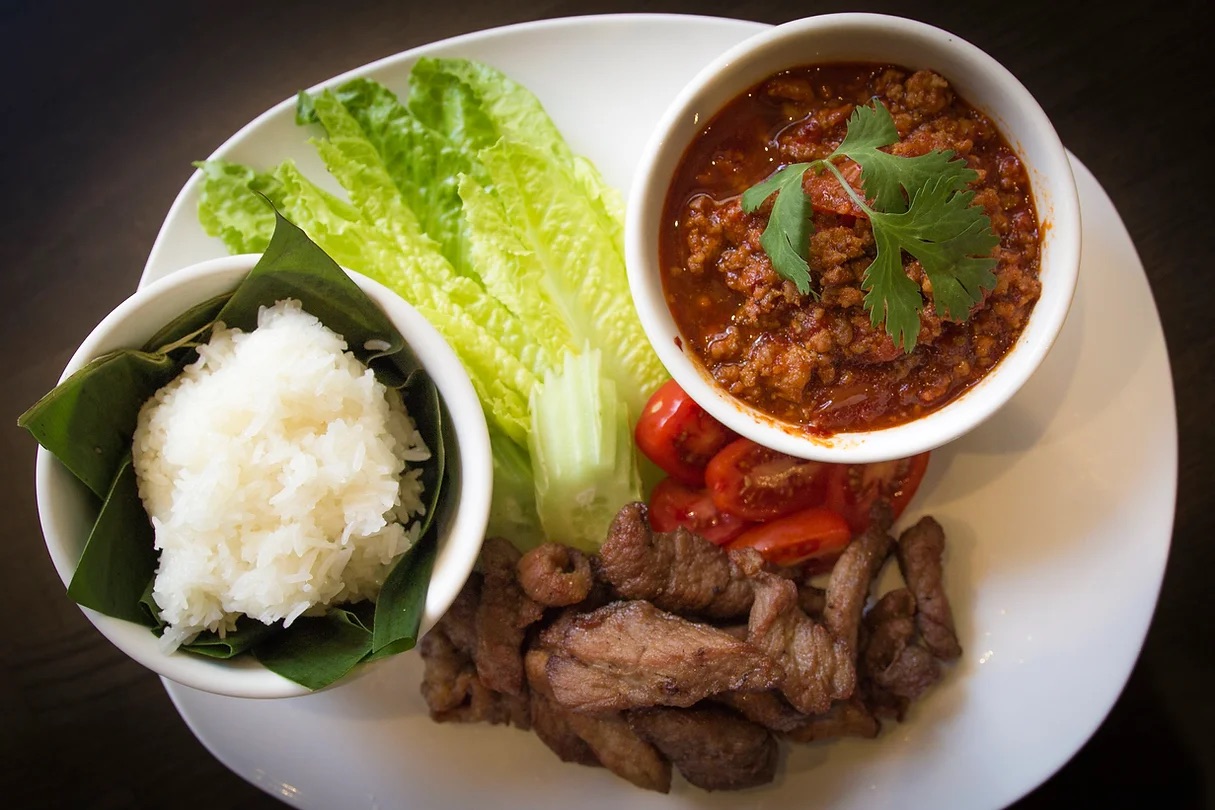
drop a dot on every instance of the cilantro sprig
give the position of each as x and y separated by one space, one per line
920 205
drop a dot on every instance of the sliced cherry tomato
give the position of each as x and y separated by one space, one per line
673 505
754 482
678 435
810 534
852 489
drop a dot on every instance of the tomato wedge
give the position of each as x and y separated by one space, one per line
754 482
852 489
678 435
673 504
810 534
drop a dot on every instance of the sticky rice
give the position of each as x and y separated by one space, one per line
275 471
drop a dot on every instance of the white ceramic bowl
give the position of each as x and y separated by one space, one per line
978 79
67 512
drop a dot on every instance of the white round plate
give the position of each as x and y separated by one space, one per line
1058 511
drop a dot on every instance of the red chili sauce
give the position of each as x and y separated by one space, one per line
820 364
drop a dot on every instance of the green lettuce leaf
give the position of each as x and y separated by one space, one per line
352 159
499 376
540 247
229 205
475 106
424 166
582 452
512 512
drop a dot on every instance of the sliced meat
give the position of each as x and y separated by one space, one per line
535 664
849 718
713 748
815 669
555 575
848 587
920 550
591 740
460 620
912 671
447 674
503 616
629 655
622 751
811 600
885 705
890 659
678 571
888 627
551 724
550 720
454 693
769 709
601 592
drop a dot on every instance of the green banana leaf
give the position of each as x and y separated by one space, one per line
88 420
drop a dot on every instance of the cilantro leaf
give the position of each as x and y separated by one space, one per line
786 237
891 180
951 239
890 294
920 205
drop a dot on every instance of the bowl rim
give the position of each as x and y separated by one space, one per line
726 77
243 676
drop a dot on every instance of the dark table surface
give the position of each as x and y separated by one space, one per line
107 104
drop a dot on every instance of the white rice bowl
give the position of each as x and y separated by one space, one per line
275 473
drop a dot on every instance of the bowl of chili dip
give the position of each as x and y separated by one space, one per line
929 289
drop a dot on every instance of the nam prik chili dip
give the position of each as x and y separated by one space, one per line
840 309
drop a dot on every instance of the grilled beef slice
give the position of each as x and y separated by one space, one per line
678 571
769 709
622 751
552 726
713 748
555 575
454 693
848 718
460 620
814 668
920 549
628 655
848 587
592 740
503 616
890 659
551 721
811 600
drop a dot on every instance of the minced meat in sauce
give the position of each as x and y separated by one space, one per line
820 363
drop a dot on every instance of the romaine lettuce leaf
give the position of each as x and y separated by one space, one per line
423 164
475 106
501 380
512 512
582 452
543 250
229 206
